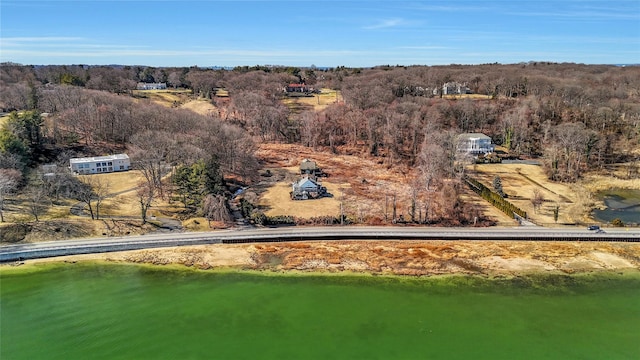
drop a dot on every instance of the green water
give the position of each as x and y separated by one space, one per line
82 311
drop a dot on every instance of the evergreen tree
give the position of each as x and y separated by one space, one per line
213 178
22 136
189 183
497 185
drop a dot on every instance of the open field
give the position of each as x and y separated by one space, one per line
119 213
317 102
122 186
122 200
200 106
467 96
169 97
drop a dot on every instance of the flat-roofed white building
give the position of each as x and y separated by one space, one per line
151 86
475 143
100 164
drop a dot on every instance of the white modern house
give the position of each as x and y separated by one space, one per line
100 164
151 86
475 143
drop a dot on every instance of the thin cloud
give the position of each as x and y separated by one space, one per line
169 53
385 24
579 15
39 39
449 8
427 47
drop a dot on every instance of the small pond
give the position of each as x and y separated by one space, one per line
623 204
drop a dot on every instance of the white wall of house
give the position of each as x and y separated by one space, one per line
100 164
475 144
151 86
305 184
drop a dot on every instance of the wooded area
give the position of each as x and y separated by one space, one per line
573 117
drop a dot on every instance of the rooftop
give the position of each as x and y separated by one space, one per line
99 158
470 136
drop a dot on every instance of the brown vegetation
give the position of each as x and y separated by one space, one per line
415 258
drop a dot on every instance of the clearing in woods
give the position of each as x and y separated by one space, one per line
316 102
169 97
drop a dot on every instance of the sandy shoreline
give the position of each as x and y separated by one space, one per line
412 258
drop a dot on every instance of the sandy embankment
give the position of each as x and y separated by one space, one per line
414 258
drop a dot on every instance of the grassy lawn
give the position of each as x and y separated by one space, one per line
467 96
200 106
317 102
167 97
276 201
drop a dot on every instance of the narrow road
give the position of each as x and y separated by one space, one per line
100 245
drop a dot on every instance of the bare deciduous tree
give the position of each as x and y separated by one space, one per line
146 193
101 188
9 180
83 192
37 200
215 208
537 199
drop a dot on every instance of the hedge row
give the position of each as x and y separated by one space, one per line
494 198
259 218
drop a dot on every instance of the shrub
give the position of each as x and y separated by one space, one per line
280 220
246 207
258 217
617 222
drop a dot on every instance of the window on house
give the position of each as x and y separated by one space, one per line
110 168
110 163
121 167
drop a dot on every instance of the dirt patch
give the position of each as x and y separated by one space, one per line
611 261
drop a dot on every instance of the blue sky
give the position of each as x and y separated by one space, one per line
320 32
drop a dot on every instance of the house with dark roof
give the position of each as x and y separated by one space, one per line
455 88
307 188
299 88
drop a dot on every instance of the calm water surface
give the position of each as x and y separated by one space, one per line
82 311
623 204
